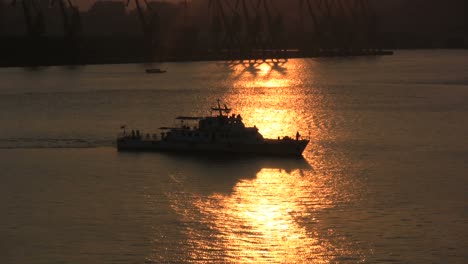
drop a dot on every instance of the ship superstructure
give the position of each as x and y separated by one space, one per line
222 132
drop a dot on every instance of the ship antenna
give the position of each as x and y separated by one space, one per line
219 108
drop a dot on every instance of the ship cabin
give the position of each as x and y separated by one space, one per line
221 128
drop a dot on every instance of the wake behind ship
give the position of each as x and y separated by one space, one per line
220 133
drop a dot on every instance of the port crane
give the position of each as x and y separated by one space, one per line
150 27
216 26
71 19
313 37
343 26
224 28
274 29
185 41
233 27
253 38
358 11
369 25
34 18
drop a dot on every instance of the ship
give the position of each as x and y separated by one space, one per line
219 133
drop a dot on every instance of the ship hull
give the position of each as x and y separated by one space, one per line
265 147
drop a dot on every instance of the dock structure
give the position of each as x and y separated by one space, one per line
199 30
261 29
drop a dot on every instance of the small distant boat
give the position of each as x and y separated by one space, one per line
155 70
221 133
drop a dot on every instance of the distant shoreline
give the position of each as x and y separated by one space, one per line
19 52
208 58
135 61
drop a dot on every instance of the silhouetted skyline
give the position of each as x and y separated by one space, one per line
447 19
112 32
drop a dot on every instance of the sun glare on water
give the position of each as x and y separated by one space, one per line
271 212
269 96
260 221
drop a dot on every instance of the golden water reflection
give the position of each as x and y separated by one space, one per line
276 216
266 219
265 74
246 211
273 97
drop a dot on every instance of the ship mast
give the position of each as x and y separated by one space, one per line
221 110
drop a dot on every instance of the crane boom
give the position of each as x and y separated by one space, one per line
35 25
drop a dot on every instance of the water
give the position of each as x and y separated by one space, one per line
383 180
